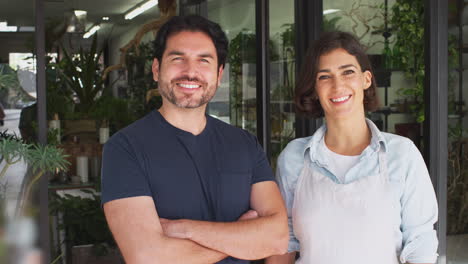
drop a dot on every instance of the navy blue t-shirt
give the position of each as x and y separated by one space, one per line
205 177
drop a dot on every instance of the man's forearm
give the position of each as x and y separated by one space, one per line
250 239
175 251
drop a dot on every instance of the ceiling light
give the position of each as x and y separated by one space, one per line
105 18
91 31
26 29
140 8
79 13
330 11
76 21
5 28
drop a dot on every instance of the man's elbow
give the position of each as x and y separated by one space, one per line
280 246
142 257
280 236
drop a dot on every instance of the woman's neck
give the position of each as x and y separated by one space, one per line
347 136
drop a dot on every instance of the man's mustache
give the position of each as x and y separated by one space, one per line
187 79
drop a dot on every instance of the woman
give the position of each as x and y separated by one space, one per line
354 194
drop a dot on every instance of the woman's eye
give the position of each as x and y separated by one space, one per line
323 77
347 72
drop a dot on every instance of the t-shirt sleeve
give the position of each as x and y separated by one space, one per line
261 167
122 173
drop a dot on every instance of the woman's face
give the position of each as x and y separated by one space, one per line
340 84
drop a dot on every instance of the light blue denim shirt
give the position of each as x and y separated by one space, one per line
414 194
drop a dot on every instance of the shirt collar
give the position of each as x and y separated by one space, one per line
315 143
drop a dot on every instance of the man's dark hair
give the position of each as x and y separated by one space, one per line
306 99
192 23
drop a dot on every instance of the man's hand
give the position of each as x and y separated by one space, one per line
175 228
257 234
250 214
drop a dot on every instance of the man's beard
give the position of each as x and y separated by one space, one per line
187 101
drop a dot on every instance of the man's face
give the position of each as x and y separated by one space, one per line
188 74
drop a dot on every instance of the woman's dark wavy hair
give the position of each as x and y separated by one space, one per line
306 98
192 23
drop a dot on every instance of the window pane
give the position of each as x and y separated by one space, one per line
457 182
282 75
235 101
17 113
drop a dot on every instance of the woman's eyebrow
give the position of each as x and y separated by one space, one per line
341 67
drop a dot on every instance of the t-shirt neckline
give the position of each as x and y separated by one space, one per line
179 131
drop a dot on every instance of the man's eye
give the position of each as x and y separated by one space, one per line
204 60
177 58
347 72
323 77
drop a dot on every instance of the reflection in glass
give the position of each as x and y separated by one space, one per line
282 75
18 230
235 101
457 182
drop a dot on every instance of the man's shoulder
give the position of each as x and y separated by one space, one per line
140 130
230 130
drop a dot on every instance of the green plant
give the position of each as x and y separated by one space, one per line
9 84
113 110
12 151
331 24
242 50
83 75
83 221
140 80
59 96
407 23
407 54
40 157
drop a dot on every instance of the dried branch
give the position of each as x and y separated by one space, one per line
167 9
357 15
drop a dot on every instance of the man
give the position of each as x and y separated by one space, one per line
180 186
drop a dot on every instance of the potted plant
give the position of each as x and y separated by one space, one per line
87 235
82 74
41 159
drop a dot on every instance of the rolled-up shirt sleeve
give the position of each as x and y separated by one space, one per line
289 166
419 212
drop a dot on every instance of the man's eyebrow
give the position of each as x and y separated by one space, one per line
175 52
341 67
206 55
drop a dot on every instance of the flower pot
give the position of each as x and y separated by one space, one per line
85 130
84 254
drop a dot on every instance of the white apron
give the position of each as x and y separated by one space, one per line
345 223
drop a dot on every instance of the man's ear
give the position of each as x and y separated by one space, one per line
220 74
155 69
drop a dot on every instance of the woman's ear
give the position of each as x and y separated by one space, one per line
367 80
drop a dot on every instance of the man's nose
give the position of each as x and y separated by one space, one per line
191 68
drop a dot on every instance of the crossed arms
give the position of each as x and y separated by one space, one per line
145 238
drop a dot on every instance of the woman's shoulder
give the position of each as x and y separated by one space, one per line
397 143
291 159
403 154
295 149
